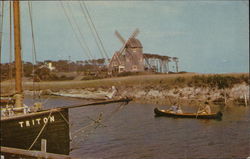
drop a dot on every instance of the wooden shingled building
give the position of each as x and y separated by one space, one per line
130 57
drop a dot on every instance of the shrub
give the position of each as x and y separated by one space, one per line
217 81
179 80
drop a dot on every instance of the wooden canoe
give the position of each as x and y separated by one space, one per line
166 113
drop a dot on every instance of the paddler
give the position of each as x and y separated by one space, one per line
206 109
173 108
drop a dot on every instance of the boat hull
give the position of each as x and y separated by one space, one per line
24 130
159 112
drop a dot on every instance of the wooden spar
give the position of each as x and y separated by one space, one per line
27 153
18 59
126 100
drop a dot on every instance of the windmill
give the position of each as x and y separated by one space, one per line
125 42
129 57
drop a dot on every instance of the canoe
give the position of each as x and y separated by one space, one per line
166 113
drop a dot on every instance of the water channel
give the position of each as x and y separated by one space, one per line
133 132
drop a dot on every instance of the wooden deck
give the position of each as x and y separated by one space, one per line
14 153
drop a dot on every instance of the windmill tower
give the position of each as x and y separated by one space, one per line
130 57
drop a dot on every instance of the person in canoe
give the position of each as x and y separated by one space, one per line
179 110
175 109
206 109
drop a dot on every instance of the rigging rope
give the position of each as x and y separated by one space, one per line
96 123
93 25
79 29
83 44
11 51
40 132
34 52
91 29
1 28
34 57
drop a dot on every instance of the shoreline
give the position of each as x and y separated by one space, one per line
235 96
162 89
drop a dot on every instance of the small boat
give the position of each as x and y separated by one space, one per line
167 113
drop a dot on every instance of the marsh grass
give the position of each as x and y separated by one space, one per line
147 82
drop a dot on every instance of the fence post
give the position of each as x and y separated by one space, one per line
43 145
245 96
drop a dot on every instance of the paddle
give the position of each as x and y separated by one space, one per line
170 102
198 110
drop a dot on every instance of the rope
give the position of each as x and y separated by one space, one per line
82 45
34 52
98 122
40 132
93 30
77 131
11 58
87 127
115 111
34 58
64 118
70 135
1 29
98 46
79 30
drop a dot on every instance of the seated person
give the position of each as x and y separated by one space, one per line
179 111
205 110
173 108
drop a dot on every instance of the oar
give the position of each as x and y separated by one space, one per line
170 102
198 110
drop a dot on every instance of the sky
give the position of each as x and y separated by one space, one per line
207 36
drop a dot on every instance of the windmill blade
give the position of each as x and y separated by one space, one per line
135 33
122 49
124 42
120 37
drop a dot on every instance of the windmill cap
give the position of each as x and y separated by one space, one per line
134 43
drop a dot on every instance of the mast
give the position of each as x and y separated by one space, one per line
18 58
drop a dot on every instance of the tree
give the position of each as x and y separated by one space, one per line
176 60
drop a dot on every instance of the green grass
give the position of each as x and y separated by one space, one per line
147 82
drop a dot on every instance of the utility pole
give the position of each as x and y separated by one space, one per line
69 64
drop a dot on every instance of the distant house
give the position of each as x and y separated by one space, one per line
48 65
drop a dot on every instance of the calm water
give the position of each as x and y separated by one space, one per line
133 132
